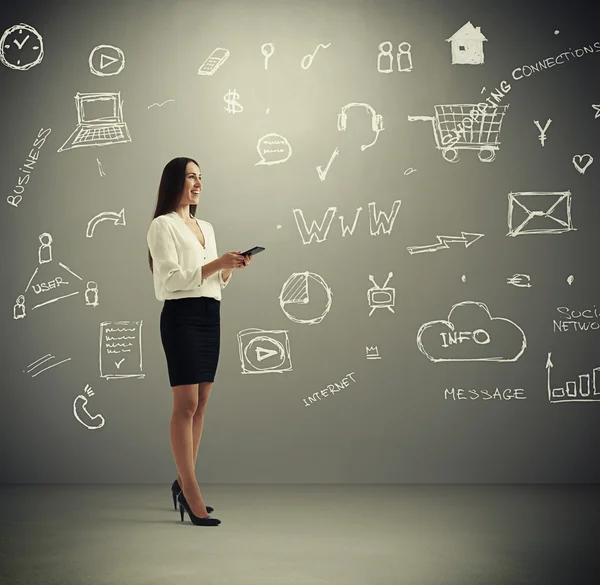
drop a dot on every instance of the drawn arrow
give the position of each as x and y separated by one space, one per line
466 238
118 218
549 366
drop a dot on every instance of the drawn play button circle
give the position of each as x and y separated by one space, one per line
106 60
265 353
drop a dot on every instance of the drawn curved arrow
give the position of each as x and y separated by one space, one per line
466 238
117 218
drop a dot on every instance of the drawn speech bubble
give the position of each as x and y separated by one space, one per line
273 149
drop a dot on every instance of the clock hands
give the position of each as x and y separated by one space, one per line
20 44
29 50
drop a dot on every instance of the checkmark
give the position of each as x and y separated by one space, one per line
118 364
20 44
323 174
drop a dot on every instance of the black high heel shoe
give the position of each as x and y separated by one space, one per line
196 520
175 489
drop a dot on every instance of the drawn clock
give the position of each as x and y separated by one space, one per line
21 47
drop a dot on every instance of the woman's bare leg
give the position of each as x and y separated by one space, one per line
185 403
204 389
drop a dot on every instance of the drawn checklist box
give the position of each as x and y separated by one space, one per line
121 349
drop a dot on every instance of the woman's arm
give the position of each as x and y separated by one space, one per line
165 262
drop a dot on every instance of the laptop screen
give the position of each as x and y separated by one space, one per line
99 109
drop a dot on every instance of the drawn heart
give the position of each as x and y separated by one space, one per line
578 158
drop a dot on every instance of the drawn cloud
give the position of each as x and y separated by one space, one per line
506 341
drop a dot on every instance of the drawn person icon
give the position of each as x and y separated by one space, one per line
19 308
404 57
91 294
45 249
385 57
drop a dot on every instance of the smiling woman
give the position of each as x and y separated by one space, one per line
189 277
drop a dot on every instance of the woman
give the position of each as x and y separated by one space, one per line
188 277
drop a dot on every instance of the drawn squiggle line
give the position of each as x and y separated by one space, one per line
310 57
156 104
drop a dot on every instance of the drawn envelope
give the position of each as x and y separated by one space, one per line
539 212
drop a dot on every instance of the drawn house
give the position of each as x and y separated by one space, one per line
467 45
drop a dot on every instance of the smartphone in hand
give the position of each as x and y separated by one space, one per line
253 251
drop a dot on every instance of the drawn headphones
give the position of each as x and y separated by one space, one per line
376 121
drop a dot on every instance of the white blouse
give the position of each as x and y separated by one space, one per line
178 257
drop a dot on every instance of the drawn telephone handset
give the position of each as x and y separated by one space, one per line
83 416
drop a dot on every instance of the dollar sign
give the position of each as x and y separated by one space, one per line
233 106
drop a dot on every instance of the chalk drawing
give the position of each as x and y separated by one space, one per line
33 366
539 212
273 149
574 390
319 232
542 135
214 61
308 290
466 127
106 60
519 280
323 173
485 338
467 45
267 50
161 104
264 351
372 353
116 218
307 60
381 297
466 238
82 414
579 158
376 121
123 339
21 47
99 121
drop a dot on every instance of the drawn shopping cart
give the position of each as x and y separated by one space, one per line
466 127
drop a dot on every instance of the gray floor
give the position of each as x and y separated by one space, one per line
302 535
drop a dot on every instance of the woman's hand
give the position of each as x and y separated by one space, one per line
246 260
231 260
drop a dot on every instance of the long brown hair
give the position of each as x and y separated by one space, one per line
170 189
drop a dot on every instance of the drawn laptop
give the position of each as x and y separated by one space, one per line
100 121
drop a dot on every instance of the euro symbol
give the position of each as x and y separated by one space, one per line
520 280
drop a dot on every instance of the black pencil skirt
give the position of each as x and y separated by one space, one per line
190 331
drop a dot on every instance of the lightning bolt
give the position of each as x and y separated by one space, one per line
443 242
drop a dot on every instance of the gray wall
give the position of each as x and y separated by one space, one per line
395 420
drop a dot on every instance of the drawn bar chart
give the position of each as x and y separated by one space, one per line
585 389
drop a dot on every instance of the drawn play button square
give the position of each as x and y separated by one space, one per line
106 60
264 350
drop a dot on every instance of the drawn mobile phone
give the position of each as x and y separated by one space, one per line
213 61
253 251
85 418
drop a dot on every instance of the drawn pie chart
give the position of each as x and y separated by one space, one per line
305 298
